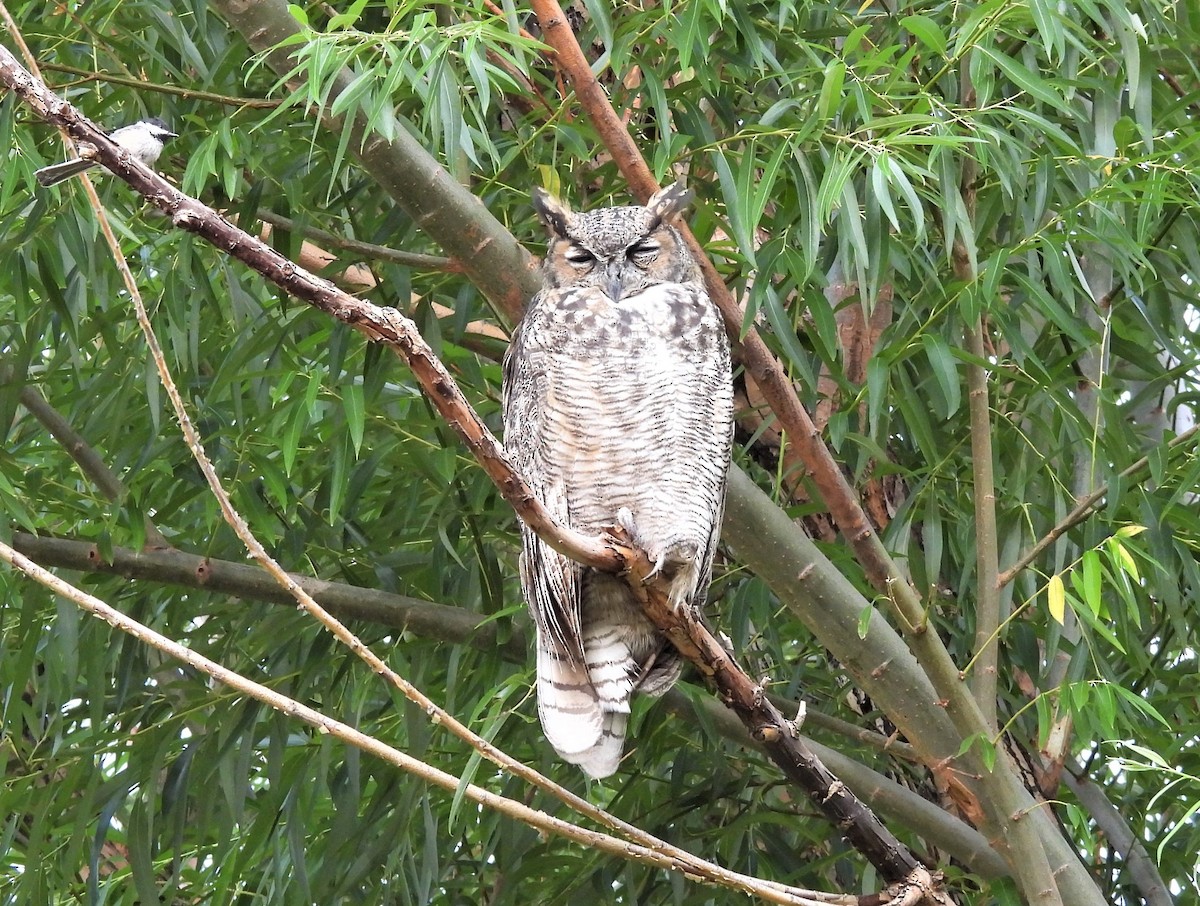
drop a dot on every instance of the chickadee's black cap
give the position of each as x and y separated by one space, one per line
161 124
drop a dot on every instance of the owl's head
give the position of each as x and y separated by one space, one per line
620 251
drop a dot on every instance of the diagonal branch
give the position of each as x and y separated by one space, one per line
745 697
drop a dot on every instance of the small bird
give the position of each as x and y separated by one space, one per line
144 140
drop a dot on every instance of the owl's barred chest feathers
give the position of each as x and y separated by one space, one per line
625 386
618 409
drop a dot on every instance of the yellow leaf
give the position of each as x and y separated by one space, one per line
1058 598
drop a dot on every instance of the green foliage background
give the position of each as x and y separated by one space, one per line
826 145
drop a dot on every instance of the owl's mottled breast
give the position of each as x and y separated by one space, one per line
585 319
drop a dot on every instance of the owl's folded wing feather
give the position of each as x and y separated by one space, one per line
549 580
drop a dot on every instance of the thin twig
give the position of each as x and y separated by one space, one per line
1085 506
366 249
191 94
324 724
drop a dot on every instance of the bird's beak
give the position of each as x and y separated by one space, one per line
612 280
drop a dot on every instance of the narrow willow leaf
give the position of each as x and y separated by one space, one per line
1026 79
900 180
927 31
879 187
734 207
355 412
1092 581
830 98
945 371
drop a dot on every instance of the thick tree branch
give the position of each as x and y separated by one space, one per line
1007 805
1116 831
175 567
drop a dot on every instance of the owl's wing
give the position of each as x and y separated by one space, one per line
550 580
568 705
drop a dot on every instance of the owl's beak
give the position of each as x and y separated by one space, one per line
612 280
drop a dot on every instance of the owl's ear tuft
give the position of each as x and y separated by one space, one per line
554 214
666 203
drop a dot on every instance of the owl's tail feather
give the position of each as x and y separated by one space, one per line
567 705
584 707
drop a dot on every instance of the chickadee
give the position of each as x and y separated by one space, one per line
144 140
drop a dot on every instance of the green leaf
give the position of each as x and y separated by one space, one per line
1025 79
944 368
356 414
830 98
926 30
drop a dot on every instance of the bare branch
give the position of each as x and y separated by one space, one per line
348 602
365 249
191 94
984 678
1116 831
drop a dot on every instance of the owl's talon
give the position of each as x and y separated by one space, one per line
654 570
625 521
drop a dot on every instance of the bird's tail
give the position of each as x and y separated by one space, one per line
584 707
584 704
56 173
572 719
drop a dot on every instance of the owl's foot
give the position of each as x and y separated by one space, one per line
677 561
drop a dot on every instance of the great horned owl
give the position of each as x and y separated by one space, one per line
618 409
